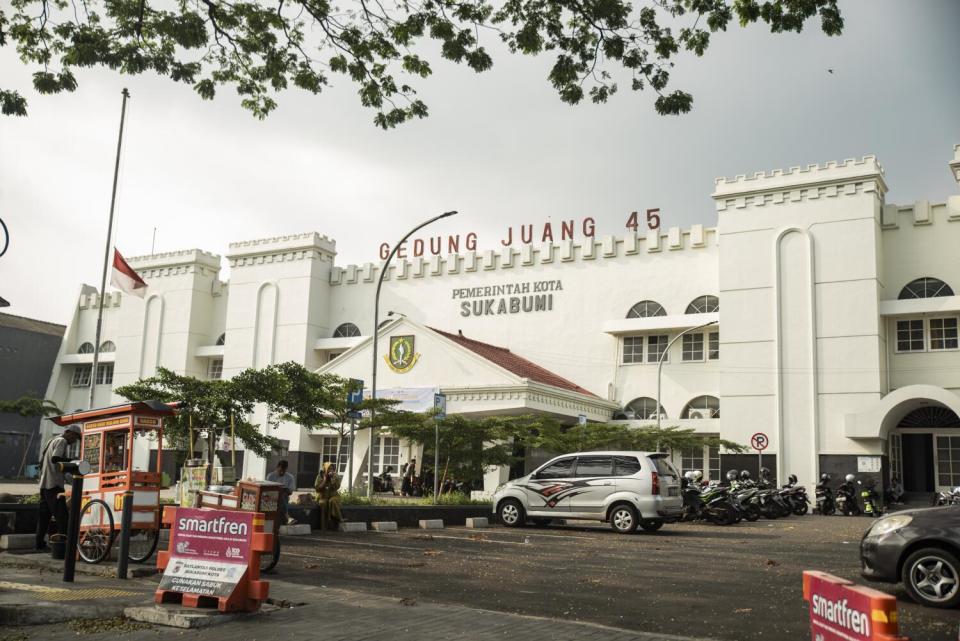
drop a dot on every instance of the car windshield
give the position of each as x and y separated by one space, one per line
663 466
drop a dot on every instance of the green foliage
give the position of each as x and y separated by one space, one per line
618 436
260 48
455 498
30 406
209 403
30 499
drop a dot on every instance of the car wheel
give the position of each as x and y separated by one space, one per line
932 578
623 519
542 522
651 526
511 513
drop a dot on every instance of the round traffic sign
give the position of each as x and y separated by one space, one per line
759 441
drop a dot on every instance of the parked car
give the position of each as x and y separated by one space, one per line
626 489
921 548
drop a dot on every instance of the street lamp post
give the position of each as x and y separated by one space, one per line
663 355
376 332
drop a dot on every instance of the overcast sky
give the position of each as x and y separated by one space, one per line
499 147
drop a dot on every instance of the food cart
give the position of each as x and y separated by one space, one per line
107 446
251 496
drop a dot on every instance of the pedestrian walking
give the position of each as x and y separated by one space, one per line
328 495
289 483
409 472
52 481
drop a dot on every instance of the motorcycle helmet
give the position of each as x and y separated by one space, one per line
850 478
688 475
825 478
745 475
764 473
732 475
697 475
792 479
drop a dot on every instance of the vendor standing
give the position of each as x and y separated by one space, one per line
52 481
284 478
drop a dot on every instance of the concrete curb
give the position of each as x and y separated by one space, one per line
431 524
384 526
353 526
43 613
17 541
184 618
300 529
478 522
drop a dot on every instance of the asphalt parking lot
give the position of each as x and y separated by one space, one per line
736 582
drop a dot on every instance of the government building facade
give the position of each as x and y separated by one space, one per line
815 313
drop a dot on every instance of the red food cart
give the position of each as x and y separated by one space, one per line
109 435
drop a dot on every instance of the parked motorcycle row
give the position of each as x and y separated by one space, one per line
946 497
742 497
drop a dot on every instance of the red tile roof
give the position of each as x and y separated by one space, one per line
511 362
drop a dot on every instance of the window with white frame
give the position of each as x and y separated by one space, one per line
704 305
633 349
646 309
948 461
388 451
943 333
656 345
895 457
910 335
925 287
107 346
215 369
329 452
333 356
645 408
713 462
105 374
702 407
691 458
81 376
693 347
86 348
713 347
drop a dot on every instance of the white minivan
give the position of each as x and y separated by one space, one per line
626 489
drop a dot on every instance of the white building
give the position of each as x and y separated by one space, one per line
836 328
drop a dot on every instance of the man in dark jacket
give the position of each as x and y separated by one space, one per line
52 503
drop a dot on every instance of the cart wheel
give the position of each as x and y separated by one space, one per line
142 544
96 531
268 561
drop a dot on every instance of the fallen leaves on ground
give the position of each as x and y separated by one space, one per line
431 552
772 562
114 624
408 601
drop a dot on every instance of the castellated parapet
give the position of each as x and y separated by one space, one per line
830 180
308 246
566 251
187 261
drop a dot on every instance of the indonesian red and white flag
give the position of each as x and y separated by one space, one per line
125 279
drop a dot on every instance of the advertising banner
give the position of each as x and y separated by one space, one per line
843 611
209 551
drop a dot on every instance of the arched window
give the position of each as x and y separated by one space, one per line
645 408
347 330
222 339
646 309
925 288
86 348
702 407
107 346
704 305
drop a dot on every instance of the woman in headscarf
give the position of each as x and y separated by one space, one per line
328 495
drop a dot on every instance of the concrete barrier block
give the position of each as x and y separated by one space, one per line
300 529
431 524
353 526
384 526
18 541
477 522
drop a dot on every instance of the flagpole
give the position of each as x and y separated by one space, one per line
106 252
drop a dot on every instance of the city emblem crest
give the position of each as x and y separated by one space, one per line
402 356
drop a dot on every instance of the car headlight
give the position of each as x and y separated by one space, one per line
889 524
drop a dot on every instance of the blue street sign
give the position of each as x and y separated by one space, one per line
440 404
355 397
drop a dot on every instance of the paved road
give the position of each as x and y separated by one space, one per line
738 582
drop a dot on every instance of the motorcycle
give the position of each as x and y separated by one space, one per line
870 498
847 498
949 497
796 496
826 505
711 503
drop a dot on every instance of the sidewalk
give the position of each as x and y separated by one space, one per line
29 596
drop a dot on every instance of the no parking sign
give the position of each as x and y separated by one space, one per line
759 441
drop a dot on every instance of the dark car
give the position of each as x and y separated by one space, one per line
920 548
